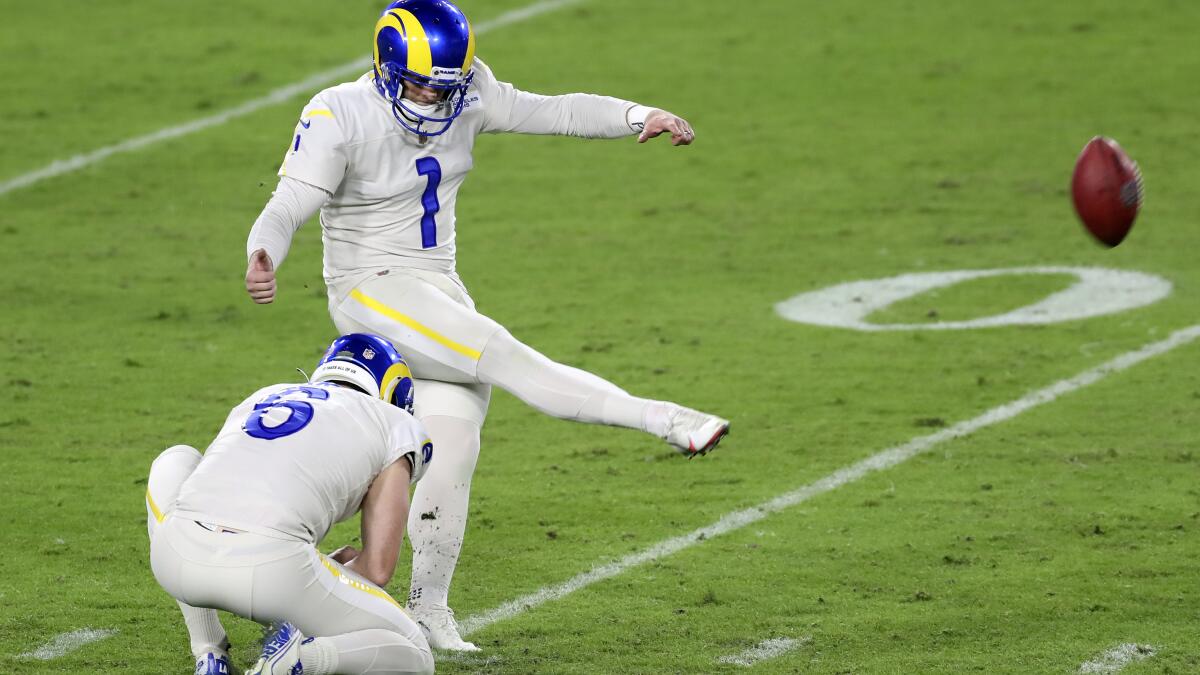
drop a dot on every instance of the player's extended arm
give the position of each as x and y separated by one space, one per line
292 203
384 517
507 108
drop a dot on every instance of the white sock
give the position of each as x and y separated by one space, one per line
374 651
658 418
556 389
320 657
205 631
437 519
168 472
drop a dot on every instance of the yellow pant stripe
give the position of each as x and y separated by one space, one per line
356 584
411 323
318 113
158 515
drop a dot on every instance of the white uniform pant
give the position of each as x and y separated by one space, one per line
431 319
456 354
272 580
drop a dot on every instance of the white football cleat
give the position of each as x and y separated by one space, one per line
693 432
440 628
281 653
213 663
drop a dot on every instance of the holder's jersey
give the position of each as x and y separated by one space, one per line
297 458
393 194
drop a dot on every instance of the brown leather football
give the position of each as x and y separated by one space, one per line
1107 189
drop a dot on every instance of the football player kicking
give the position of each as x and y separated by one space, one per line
237 529
382 159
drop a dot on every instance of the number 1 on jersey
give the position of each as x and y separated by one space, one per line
428 166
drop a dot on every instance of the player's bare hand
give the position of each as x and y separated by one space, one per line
344 554
260 277
661 122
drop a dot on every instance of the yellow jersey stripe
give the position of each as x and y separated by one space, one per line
158 515
356 584
413 324
318 113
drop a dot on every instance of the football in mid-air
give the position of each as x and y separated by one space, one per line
1107 189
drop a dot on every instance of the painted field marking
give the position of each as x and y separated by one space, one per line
767 649
470 659
1117 658
1097 291
884 459
280 95
66 643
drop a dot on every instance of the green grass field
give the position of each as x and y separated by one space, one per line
836 142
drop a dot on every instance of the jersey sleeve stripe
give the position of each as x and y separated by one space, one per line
158 514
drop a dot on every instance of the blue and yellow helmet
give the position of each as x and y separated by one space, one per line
369 363
427 43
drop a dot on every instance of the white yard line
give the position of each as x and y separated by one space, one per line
68 642
310 84
884 459
1117 658
767 649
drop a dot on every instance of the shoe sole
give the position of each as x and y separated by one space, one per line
712 442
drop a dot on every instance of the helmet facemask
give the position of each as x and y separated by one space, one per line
429 119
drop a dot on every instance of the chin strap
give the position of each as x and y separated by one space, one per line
306 376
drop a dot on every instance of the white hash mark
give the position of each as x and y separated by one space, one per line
68 642
1117 658
767 649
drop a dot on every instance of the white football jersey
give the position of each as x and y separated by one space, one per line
297 458
394 194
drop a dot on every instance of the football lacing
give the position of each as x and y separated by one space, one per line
1132 191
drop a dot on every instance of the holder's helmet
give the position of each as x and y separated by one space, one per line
427 43
369 363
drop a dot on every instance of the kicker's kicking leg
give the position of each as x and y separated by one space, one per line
443 338
571 393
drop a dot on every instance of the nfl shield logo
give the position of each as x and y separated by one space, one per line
368 353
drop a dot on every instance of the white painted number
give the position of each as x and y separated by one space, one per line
1098 291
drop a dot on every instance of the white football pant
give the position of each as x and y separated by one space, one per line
456 354
357 627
